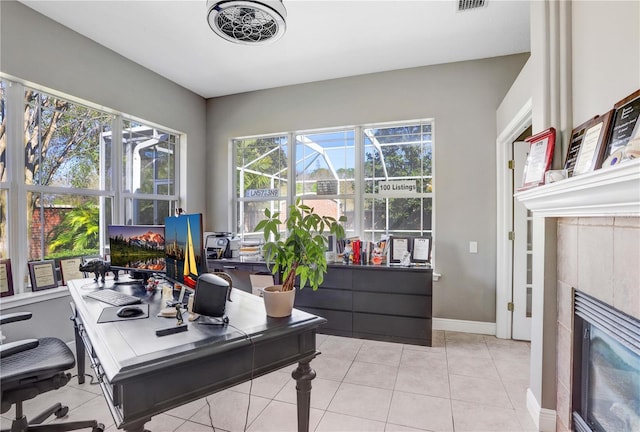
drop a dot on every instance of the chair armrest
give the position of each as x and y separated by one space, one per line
13 317
18 346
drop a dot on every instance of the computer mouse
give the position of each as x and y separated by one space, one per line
129 311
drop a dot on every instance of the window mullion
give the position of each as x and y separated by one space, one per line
117 170
16 218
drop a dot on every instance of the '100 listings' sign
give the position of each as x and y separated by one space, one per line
397 187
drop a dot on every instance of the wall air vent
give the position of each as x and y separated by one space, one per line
470 4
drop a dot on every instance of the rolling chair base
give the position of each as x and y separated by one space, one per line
23 425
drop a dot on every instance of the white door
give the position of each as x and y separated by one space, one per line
522 252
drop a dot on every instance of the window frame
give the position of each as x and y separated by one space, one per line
359 196
18 190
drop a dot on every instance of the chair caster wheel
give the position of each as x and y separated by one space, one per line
98 428
61 412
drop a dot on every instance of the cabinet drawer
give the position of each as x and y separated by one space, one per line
405 327
390 281
325 298
337 278
392 304
336 320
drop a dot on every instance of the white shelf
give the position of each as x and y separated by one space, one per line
605 192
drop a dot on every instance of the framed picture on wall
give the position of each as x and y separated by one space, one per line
42 275
6 278
539 158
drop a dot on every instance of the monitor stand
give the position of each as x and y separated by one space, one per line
136 279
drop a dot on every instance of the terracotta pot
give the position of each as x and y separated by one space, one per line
278 303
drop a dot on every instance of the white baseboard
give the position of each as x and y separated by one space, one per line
545 419
479 327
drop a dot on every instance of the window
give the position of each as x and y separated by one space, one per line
401 153
67 179
339 173
261 180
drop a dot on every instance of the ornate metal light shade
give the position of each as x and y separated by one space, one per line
250 22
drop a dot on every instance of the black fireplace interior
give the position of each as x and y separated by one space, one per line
606 368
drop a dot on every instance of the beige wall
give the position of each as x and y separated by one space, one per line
461 97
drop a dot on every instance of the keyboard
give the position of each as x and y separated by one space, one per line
114 298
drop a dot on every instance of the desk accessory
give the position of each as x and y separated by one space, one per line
109 314
171 330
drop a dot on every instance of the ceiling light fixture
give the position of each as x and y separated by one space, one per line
250 22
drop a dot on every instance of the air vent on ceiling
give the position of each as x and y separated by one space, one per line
470 4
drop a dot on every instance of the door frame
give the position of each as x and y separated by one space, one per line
504 247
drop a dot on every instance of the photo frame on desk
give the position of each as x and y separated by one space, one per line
421 250
624 139
6 278
42 275
70 269
399 245
587 146
539 158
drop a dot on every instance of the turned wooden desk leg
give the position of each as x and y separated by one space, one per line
303 375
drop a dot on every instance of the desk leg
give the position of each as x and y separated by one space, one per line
80 354
303 375
137 426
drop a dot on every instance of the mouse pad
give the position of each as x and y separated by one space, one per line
109 314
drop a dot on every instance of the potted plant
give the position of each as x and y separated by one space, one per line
301 254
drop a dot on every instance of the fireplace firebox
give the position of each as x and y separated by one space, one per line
606 367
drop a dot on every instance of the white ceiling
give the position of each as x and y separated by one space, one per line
324 39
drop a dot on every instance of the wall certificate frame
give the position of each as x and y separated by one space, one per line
623 129
6 278
42 275
70 269
586 150
539 158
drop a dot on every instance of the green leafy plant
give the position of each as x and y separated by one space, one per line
302 253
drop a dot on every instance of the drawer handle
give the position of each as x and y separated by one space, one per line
229 267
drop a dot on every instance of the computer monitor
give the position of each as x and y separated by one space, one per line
184 250
138 249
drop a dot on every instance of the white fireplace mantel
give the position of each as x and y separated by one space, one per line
605 192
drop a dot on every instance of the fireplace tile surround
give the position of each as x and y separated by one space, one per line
598 252
600 256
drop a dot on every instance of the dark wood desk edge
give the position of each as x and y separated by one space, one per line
303 374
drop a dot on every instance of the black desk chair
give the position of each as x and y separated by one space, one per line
30 367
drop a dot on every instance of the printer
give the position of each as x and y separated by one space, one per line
220 245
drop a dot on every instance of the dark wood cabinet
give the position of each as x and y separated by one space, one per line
370 302
373 302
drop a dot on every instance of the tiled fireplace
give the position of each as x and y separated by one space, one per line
600 257
598 253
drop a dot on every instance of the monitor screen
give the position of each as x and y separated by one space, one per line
137 247
184 250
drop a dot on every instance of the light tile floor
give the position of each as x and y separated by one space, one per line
464 383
